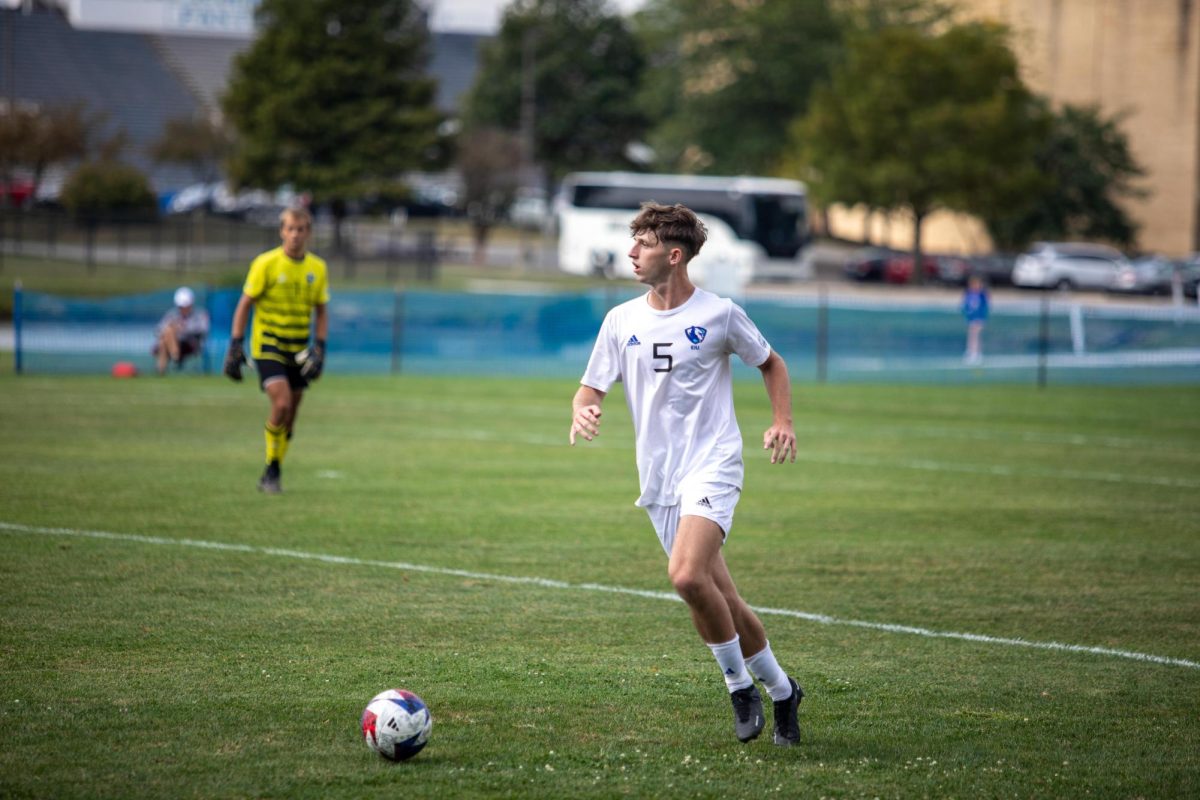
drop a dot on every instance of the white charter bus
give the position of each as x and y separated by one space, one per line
757 227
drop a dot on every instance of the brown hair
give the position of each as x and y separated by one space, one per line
295 214
677 225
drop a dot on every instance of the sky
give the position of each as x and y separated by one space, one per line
483 16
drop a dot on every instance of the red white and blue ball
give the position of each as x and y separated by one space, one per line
396 724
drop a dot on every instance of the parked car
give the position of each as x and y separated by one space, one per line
1190 273
197 197
952 270
529 209
1151 274
869 264
16 194
1068 265
895 266
995 268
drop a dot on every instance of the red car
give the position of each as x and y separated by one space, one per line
892 266
935 269
16 194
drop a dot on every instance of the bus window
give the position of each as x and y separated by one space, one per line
763 221
780 225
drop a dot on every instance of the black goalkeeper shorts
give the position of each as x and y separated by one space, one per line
269 370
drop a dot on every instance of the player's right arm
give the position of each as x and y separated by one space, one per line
241 315
235 357
585 413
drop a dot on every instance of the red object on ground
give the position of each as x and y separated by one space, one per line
124 369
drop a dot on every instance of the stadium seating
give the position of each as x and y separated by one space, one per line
141 80
117 74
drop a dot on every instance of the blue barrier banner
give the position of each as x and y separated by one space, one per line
841 339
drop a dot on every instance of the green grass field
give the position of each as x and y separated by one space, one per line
169 632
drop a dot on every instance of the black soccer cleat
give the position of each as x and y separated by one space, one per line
748 718
270 483
787 718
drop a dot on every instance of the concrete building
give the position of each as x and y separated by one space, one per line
1140 58
1136 58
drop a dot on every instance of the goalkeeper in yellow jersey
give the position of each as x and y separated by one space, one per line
289 289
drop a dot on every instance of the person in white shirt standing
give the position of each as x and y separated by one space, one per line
671 348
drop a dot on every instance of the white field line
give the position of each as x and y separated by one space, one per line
550 583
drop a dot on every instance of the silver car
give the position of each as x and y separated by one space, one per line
1069 265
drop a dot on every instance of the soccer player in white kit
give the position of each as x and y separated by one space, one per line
671 348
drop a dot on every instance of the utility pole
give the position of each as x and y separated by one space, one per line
528 100
528 175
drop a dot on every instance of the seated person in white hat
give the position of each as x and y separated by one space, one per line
180 332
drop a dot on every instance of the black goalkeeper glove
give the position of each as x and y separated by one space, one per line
235 357
315 362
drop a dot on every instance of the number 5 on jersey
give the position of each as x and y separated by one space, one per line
667 357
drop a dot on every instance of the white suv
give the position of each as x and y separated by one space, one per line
1069 265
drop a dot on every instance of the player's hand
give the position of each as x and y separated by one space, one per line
781 441
315 363
235 357
586 423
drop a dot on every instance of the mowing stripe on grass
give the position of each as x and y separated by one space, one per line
1001 470
550 583
923 465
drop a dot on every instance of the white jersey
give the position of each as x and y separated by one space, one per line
679 387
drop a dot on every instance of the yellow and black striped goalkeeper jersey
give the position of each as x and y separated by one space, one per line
284 292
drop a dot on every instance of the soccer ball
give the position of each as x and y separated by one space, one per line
396 724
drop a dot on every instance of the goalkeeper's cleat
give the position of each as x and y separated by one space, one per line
270 483
748 718
787 719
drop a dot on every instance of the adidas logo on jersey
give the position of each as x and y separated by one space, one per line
632 341
704 502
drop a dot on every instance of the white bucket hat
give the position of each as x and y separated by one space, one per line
184 297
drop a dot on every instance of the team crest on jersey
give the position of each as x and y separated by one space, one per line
310 278
696 334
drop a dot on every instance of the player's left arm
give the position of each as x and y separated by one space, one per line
321 316
314 365
780 438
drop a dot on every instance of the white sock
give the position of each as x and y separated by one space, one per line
729 657
767 669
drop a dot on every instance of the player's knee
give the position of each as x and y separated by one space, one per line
688 582
281 410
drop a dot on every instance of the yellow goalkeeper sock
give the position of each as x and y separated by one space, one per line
276 442
283 445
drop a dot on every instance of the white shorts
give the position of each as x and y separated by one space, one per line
715 501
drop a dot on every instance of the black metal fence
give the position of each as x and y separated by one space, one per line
190 241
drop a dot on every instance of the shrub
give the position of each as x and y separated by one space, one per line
107 187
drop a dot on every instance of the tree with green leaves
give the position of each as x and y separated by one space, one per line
863 16
726 76
196 142
332 98
35 139
489 160
919 121
563 75
1088 170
